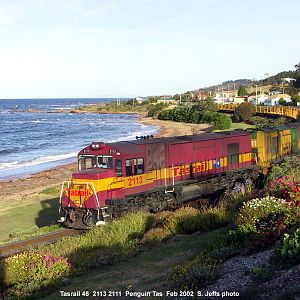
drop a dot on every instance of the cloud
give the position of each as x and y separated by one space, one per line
57 5
104 9
10 16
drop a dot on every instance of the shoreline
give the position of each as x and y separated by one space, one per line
14 190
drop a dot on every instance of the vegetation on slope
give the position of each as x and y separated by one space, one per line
199 113
252 227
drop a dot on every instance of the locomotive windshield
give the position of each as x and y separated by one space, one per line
105 162
87 162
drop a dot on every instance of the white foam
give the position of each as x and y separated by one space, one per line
36 161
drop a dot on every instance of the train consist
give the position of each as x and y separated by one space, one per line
154 174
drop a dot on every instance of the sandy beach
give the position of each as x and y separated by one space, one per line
17 189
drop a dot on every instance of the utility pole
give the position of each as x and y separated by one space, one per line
180 99
222 95
256 94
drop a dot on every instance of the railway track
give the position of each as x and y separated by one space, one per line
20 246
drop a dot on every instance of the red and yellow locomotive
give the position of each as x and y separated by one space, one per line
153 174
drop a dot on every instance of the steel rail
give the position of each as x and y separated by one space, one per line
24 245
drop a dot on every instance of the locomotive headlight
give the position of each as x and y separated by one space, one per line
97 146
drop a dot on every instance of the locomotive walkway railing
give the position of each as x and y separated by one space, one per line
285 111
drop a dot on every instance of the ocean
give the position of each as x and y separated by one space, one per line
34 141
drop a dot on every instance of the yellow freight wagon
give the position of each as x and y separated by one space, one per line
270 145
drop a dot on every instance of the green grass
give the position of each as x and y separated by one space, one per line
113 108
29 233
234 126
53 191
27 216
147 271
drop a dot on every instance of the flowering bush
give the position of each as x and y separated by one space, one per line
265 214
28 272
285 187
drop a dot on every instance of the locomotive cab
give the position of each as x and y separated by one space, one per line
82 199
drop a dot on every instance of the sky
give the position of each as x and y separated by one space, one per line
127 48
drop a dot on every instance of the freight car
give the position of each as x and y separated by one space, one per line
271 145
155 174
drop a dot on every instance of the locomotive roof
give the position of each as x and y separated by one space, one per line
128 147
278 128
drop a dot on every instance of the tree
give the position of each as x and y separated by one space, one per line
221 121
244 112
207 105
281 101
295 98
242 91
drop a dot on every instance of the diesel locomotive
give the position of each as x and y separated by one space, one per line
155 174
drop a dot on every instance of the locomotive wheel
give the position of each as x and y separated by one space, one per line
89 220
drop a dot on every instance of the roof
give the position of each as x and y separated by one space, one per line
279 128
128 147
280 96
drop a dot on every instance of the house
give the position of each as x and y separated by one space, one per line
139 100
239 99
259 100
200 95
288 80
275 98
167 100
220 99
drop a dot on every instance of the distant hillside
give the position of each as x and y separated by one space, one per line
229 84
274 80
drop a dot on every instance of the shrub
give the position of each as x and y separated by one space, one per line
156 235
264 214
289 251
187 220
159 220
286 188
29 272
103 245
205 106
182 221
155 109
164 115
290 167
244 112
195 274
221 121
208 117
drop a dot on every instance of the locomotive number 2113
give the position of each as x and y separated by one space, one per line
135 180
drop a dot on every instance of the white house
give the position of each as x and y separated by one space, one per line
260 99
239 99
274 99
220 99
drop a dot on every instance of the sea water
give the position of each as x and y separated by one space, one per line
33 137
